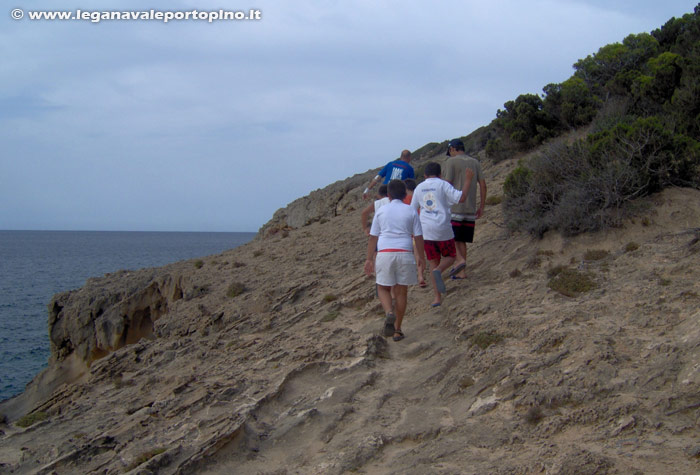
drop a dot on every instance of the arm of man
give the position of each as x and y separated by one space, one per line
420 247
365 194
482 194
415 203
371 248
468 175
365 218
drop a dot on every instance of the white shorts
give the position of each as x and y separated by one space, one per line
395 268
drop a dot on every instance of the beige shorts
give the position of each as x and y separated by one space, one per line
394 268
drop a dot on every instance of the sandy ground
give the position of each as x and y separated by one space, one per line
507 376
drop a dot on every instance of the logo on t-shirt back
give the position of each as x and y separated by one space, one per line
429 203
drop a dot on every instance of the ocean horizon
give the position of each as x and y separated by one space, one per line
36 265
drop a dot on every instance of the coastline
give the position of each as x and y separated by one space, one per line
36 265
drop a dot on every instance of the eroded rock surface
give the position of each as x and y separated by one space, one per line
168 371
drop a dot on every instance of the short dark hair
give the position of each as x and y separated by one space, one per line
410 184
397 190
382 190
457 144
433 169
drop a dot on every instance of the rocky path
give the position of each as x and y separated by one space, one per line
290 376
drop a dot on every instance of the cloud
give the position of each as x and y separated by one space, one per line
174 126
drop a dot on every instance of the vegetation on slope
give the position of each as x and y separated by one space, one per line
639 99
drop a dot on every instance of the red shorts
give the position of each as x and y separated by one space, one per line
436 249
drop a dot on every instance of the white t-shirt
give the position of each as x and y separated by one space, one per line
381 202
434 197
396 224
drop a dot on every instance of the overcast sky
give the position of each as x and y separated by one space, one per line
197 126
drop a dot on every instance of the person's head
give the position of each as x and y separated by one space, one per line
382 191
406 156
397 190
455 147
410 184
432 169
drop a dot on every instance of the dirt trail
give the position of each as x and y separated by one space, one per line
507 376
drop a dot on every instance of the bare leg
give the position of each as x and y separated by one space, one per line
445 263
461 258
419 270
401 294
441 265
384 293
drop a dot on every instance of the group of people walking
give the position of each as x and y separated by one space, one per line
434 224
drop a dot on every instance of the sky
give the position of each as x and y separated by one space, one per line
191 125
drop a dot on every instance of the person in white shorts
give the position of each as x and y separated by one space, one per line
394 229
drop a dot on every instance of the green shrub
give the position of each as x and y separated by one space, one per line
235 289
144 457
497 150
534 415
330 316
571 282
640 97
587 186
329 298
31 419
517 182
494 200
198 264
631 246
485 339
555 271
595 254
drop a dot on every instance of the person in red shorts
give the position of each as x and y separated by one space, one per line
433 197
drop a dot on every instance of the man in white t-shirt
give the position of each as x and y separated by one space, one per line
434 197
394 229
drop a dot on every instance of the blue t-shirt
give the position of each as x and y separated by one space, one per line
396 170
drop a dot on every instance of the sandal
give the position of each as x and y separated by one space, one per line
389 324
400 335
456 270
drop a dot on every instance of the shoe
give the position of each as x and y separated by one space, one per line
454 277
400 335
436 304
457 270
439 283
389 324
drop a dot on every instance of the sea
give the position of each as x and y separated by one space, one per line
35 265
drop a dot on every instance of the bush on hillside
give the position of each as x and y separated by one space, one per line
585 186
652 74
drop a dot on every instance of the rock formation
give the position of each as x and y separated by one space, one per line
267 358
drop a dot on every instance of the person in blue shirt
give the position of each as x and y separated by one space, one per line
395 170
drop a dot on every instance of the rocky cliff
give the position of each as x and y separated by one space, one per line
267 358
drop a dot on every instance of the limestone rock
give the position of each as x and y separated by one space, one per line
169 371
